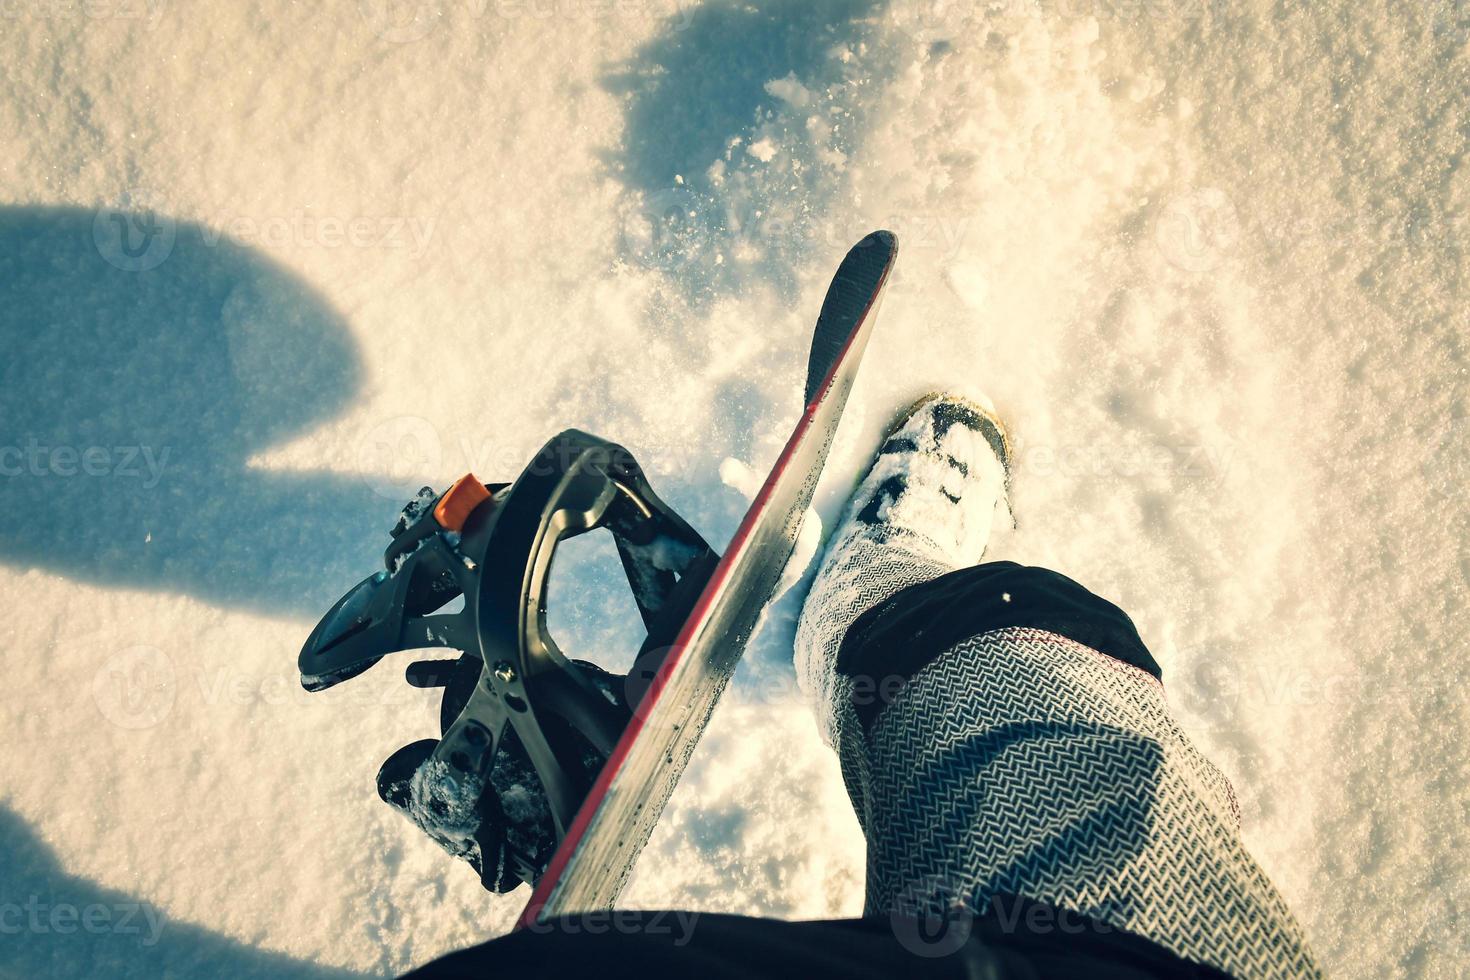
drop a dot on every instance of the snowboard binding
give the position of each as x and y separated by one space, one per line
524 729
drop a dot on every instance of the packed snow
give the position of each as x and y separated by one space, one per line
268 268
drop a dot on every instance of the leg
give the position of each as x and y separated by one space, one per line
1003 732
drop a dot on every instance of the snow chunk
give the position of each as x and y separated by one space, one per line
789 90
763 150
446 805
738 476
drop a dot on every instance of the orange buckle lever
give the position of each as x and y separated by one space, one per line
454 508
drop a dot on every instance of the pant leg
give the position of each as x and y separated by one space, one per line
992 749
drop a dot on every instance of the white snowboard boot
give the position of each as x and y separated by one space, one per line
925 508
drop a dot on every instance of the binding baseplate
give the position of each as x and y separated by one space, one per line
524 729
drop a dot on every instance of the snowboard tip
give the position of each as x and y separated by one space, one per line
854 292
881 238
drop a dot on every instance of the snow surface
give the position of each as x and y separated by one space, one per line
1208 259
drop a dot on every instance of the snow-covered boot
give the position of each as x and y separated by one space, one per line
925 508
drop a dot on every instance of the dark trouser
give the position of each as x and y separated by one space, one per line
1025 940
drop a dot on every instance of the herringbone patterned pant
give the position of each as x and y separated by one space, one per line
1022 763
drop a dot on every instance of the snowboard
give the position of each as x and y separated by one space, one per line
595 856
550 770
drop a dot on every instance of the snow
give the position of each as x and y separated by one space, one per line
446 806
1207 259
763 150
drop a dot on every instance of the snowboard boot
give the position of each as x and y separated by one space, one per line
925 508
